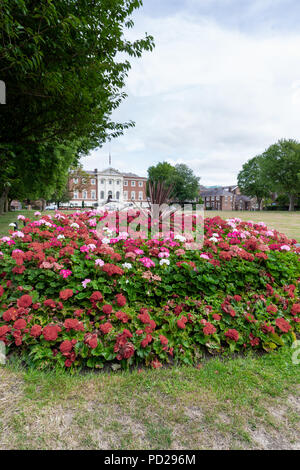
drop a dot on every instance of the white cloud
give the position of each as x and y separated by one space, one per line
208 96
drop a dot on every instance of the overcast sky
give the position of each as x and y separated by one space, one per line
222 84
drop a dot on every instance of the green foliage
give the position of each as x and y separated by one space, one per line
181 177
251 180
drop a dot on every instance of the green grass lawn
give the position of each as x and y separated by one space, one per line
241 403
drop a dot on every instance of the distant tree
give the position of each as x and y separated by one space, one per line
281 166
251 180
185 184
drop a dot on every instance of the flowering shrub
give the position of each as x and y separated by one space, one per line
70 297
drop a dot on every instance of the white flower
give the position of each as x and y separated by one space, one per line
215 235
12 225
18 234
74 225
60 237
180 238
37 214
92 247
285 248
164 261
5 239
127 265
99 262
105 240
214 239
21 217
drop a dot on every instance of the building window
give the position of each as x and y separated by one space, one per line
118 182
110 193
102 195
84 194
75 180
132 183
110 181
132 195
125 183
102 181
117 195
125 195
75 194
140 184
93 181
93 194
140 195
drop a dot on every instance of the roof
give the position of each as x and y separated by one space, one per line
215 192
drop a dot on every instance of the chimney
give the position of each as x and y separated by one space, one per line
96 170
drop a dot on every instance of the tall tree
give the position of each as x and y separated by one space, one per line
251 180
64 68
280 166
185 184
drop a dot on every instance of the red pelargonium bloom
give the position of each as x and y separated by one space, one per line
295 309
36 330
164 341
50 332
96 297
283 325
1 291
106 327
232 334
209 329
216 316
66 346
156 364
4 330
181 322
73 324
107 309
121 300
112 269
66 294
91 341
20 324
122 317
49 303
24 301
272 309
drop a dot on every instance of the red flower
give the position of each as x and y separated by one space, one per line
237 298
4 330
50 303
24 301
283 325
267 328
106 327
121 300
112 269
122 316
272 309
295 309
164 341
66 346
146 341
20 324
50 332
96 297
92 341
73 324
232 334
1 291
216 316
181 322
65 294
156 364
36 331
209 329
107 309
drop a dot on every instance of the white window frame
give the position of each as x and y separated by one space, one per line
93 194
132 183
125 183
132 197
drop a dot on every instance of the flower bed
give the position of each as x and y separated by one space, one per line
70 298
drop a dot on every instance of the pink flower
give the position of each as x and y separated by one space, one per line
147 262
65 273
85 282
99 262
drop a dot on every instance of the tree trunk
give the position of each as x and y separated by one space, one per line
259 201
43 204
292 202
3 199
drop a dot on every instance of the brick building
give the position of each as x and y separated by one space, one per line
122 187
226 198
